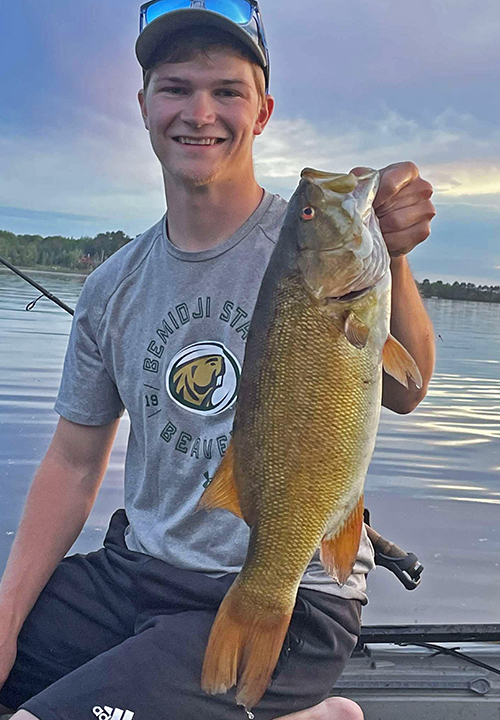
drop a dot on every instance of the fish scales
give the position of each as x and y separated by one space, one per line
302 423
306 419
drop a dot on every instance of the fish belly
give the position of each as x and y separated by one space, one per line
304 435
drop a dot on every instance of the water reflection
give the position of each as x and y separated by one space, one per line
453 437
433 485
32 352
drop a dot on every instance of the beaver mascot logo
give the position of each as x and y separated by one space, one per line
204 378
195 382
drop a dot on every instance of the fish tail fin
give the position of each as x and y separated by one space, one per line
338 552
243 647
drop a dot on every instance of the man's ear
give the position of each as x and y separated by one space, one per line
264 115
141 96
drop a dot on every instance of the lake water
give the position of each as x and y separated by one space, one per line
433 485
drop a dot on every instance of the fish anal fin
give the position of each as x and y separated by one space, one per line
222 493
243 648
356 331
338 553
398 363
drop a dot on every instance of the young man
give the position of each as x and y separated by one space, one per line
160 330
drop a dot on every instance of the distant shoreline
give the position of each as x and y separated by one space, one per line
428 291
49 270
58 254
459 291
437 297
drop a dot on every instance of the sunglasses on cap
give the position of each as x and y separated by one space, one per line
245 14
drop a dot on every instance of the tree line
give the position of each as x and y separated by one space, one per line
460 291
86 253
56 251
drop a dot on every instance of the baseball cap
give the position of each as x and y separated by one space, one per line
160 19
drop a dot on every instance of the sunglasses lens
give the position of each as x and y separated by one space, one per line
239 11
161 7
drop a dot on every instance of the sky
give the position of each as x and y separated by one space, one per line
358 83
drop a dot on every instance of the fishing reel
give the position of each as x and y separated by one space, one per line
405 566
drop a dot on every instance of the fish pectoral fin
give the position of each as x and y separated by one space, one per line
398 363
356 331
338 553
221 493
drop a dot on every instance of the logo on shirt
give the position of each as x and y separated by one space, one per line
204 378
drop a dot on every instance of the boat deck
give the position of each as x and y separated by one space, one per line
425 672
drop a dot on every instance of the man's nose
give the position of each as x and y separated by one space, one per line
199 110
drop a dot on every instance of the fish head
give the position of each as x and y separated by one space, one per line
340 248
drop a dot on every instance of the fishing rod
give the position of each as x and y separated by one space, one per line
45 292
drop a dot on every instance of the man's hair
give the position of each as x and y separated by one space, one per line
201 41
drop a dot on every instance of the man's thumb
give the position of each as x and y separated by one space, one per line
361 170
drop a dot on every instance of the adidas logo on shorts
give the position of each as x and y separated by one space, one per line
108 713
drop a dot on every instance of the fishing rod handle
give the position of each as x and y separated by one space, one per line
383 546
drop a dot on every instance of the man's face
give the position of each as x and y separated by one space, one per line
202 116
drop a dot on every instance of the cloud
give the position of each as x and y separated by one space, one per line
467 179
459 155
104 171
454 151
25 214
103 168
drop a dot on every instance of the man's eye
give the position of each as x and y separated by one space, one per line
173 90
227 93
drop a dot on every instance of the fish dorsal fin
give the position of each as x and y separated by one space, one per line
356 331
398 362
338 553
221 493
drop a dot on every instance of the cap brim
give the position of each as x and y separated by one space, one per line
157 32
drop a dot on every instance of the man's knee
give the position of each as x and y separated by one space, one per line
333 708
23 715
340 708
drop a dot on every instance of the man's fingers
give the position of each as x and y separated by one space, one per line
403 206
410 194
405 217
403 241
393 179
361 170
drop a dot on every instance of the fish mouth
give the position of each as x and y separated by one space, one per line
350 295
335 182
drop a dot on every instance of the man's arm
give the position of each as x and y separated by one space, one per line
404 209
411 325
58 504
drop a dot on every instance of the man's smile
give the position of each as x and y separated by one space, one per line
186 140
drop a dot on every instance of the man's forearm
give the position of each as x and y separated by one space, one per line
411 325
56 509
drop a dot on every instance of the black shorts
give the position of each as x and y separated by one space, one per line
118 634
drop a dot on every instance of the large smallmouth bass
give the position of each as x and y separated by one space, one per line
306 419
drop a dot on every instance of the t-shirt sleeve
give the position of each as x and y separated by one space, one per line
88 394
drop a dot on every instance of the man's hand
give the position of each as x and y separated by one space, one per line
58 504
404 209
403 206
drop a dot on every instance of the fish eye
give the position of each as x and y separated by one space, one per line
307 213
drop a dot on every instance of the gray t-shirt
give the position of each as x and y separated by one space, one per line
161 332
